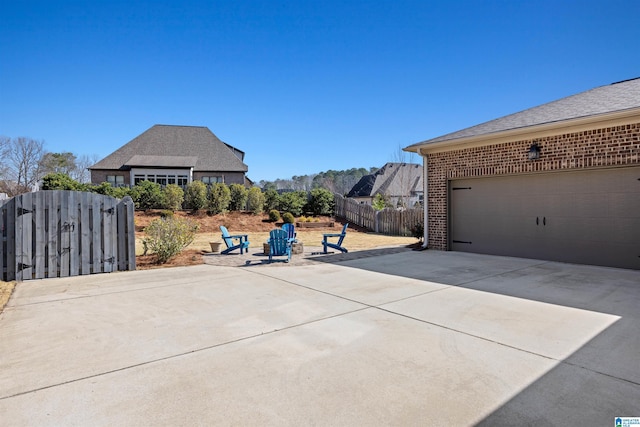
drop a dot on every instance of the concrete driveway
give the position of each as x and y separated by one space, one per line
409 338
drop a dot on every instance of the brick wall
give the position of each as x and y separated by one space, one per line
229 177
606 147
98 176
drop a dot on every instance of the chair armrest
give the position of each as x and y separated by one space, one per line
240 236
332 235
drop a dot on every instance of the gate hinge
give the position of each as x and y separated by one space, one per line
110 260
22 211
22 266
110 211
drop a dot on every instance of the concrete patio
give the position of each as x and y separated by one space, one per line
380 338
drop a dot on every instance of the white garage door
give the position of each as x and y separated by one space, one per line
587 217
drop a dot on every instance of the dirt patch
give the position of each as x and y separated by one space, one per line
238 221
186 257
6 288
258 228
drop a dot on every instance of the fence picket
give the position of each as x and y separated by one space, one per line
39 238
97 233
65 244
110 232
74 234
84 226
53 241
3 239
11 244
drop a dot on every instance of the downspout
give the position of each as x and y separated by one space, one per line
425 200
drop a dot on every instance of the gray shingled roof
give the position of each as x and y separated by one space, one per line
163 161
175 146
393 179
611 98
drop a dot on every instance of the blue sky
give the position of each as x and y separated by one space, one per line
300 86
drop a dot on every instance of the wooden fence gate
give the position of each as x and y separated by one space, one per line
65 233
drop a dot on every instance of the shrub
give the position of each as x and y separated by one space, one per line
107 189
167 237
196 196
147 195
274 215
380 201
255 200
417 230
293 202
119 192
271 199
173 197
322 202
61 181
288 218
239 195
219 198
104 188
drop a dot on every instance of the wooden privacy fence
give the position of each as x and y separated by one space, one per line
387 221
65 233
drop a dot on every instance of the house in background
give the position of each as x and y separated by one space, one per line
400 182
172 155
558 182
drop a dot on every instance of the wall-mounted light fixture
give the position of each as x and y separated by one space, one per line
534 151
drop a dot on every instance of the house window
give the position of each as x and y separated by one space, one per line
162 179
115 180
211 179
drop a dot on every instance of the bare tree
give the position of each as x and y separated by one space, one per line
81 172
4 146
23 158
405 177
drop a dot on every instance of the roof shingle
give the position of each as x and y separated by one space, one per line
175 146
611 98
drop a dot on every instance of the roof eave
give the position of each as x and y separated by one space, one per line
578 124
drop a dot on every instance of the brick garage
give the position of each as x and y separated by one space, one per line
592 137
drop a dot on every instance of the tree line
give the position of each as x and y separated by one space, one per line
215 198
337 181
24 161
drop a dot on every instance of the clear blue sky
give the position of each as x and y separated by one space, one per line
301 86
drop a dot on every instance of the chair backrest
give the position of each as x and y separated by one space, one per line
226 236
342 234
278 242
290 229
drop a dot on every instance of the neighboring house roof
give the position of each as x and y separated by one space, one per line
616 97
393 179
176 146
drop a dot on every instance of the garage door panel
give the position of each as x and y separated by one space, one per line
623 204
590 217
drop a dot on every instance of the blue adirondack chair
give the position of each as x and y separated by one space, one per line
242 241
338 244
279 244
291 232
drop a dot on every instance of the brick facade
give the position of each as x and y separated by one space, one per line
99 176
596 148
228 177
